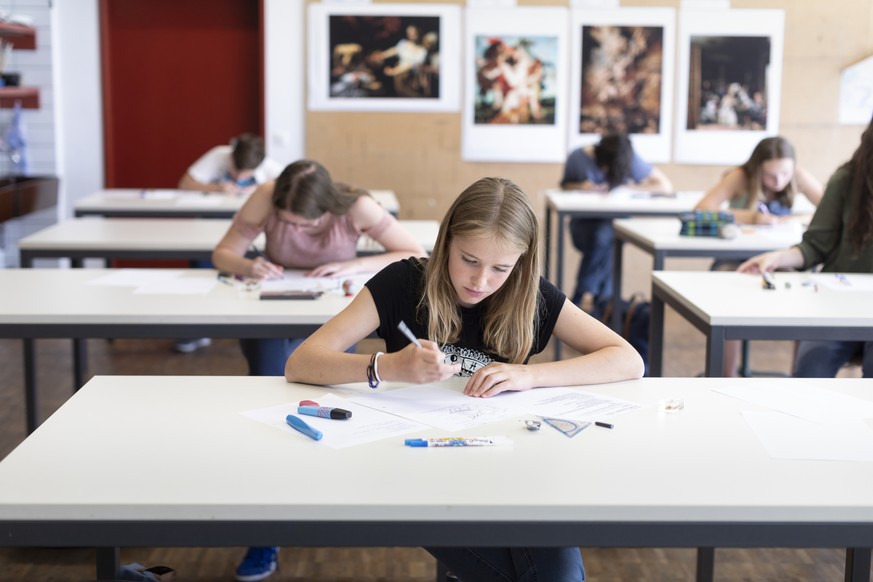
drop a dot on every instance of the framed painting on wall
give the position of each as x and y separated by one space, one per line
730 83
383 57
514 104
622 78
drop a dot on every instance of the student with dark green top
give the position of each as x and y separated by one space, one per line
840 238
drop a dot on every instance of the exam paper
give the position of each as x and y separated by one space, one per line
803 400
366 424
789 437
198 200
134 277
439 407
178 286
296 280
567 403
844 281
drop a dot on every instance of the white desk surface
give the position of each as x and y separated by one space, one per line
702 465
64 297
621 202
662 234
170 201
168 234
723 298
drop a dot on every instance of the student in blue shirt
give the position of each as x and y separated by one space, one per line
601 168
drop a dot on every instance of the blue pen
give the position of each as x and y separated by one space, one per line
298 424
325 412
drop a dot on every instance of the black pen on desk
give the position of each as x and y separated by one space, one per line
603 424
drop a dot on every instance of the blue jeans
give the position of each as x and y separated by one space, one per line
593 236
512 564
267 357
823 359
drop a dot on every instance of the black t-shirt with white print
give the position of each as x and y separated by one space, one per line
396 290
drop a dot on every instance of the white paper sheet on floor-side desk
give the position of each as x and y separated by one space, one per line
802 399
789 437
134 277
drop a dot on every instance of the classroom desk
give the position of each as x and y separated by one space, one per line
574 204
660 238
60 303
618 204
729 305
170 203
698 477
160 238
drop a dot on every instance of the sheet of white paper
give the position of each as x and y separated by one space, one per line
159 194
198 200
134 277
438 406
567 403
295 280
789 437
178 286
366 425
803 400
844 281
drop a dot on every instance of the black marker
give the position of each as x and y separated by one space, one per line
603 424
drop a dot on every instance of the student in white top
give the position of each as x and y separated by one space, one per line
237 168
232 169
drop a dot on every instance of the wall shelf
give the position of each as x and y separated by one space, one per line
24 38
29 97
19 36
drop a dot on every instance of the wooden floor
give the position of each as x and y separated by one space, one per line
684 356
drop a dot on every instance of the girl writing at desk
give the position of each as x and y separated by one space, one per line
765 187
840 238
312 223
484 309
761 191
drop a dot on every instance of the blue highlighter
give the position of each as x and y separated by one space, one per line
301 426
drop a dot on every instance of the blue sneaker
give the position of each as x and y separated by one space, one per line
258 564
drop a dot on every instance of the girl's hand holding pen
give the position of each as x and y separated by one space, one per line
261 268
419 365
498 377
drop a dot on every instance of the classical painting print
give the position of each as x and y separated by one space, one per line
622 66
729 87
622 79
383 57
516 79
515 102
730 78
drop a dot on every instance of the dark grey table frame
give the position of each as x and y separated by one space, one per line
108 536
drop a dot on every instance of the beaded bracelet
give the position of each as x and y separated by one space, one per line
373 378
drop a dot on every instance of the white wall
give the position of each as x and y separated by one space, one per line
285 79
78 102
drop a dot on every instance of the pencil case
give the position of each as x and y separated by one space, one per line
704 222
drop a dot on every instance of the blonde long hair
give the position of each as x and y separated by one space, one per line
491 207
770 148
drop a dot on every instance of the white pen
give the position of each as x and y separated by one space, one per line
458 442
404 329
